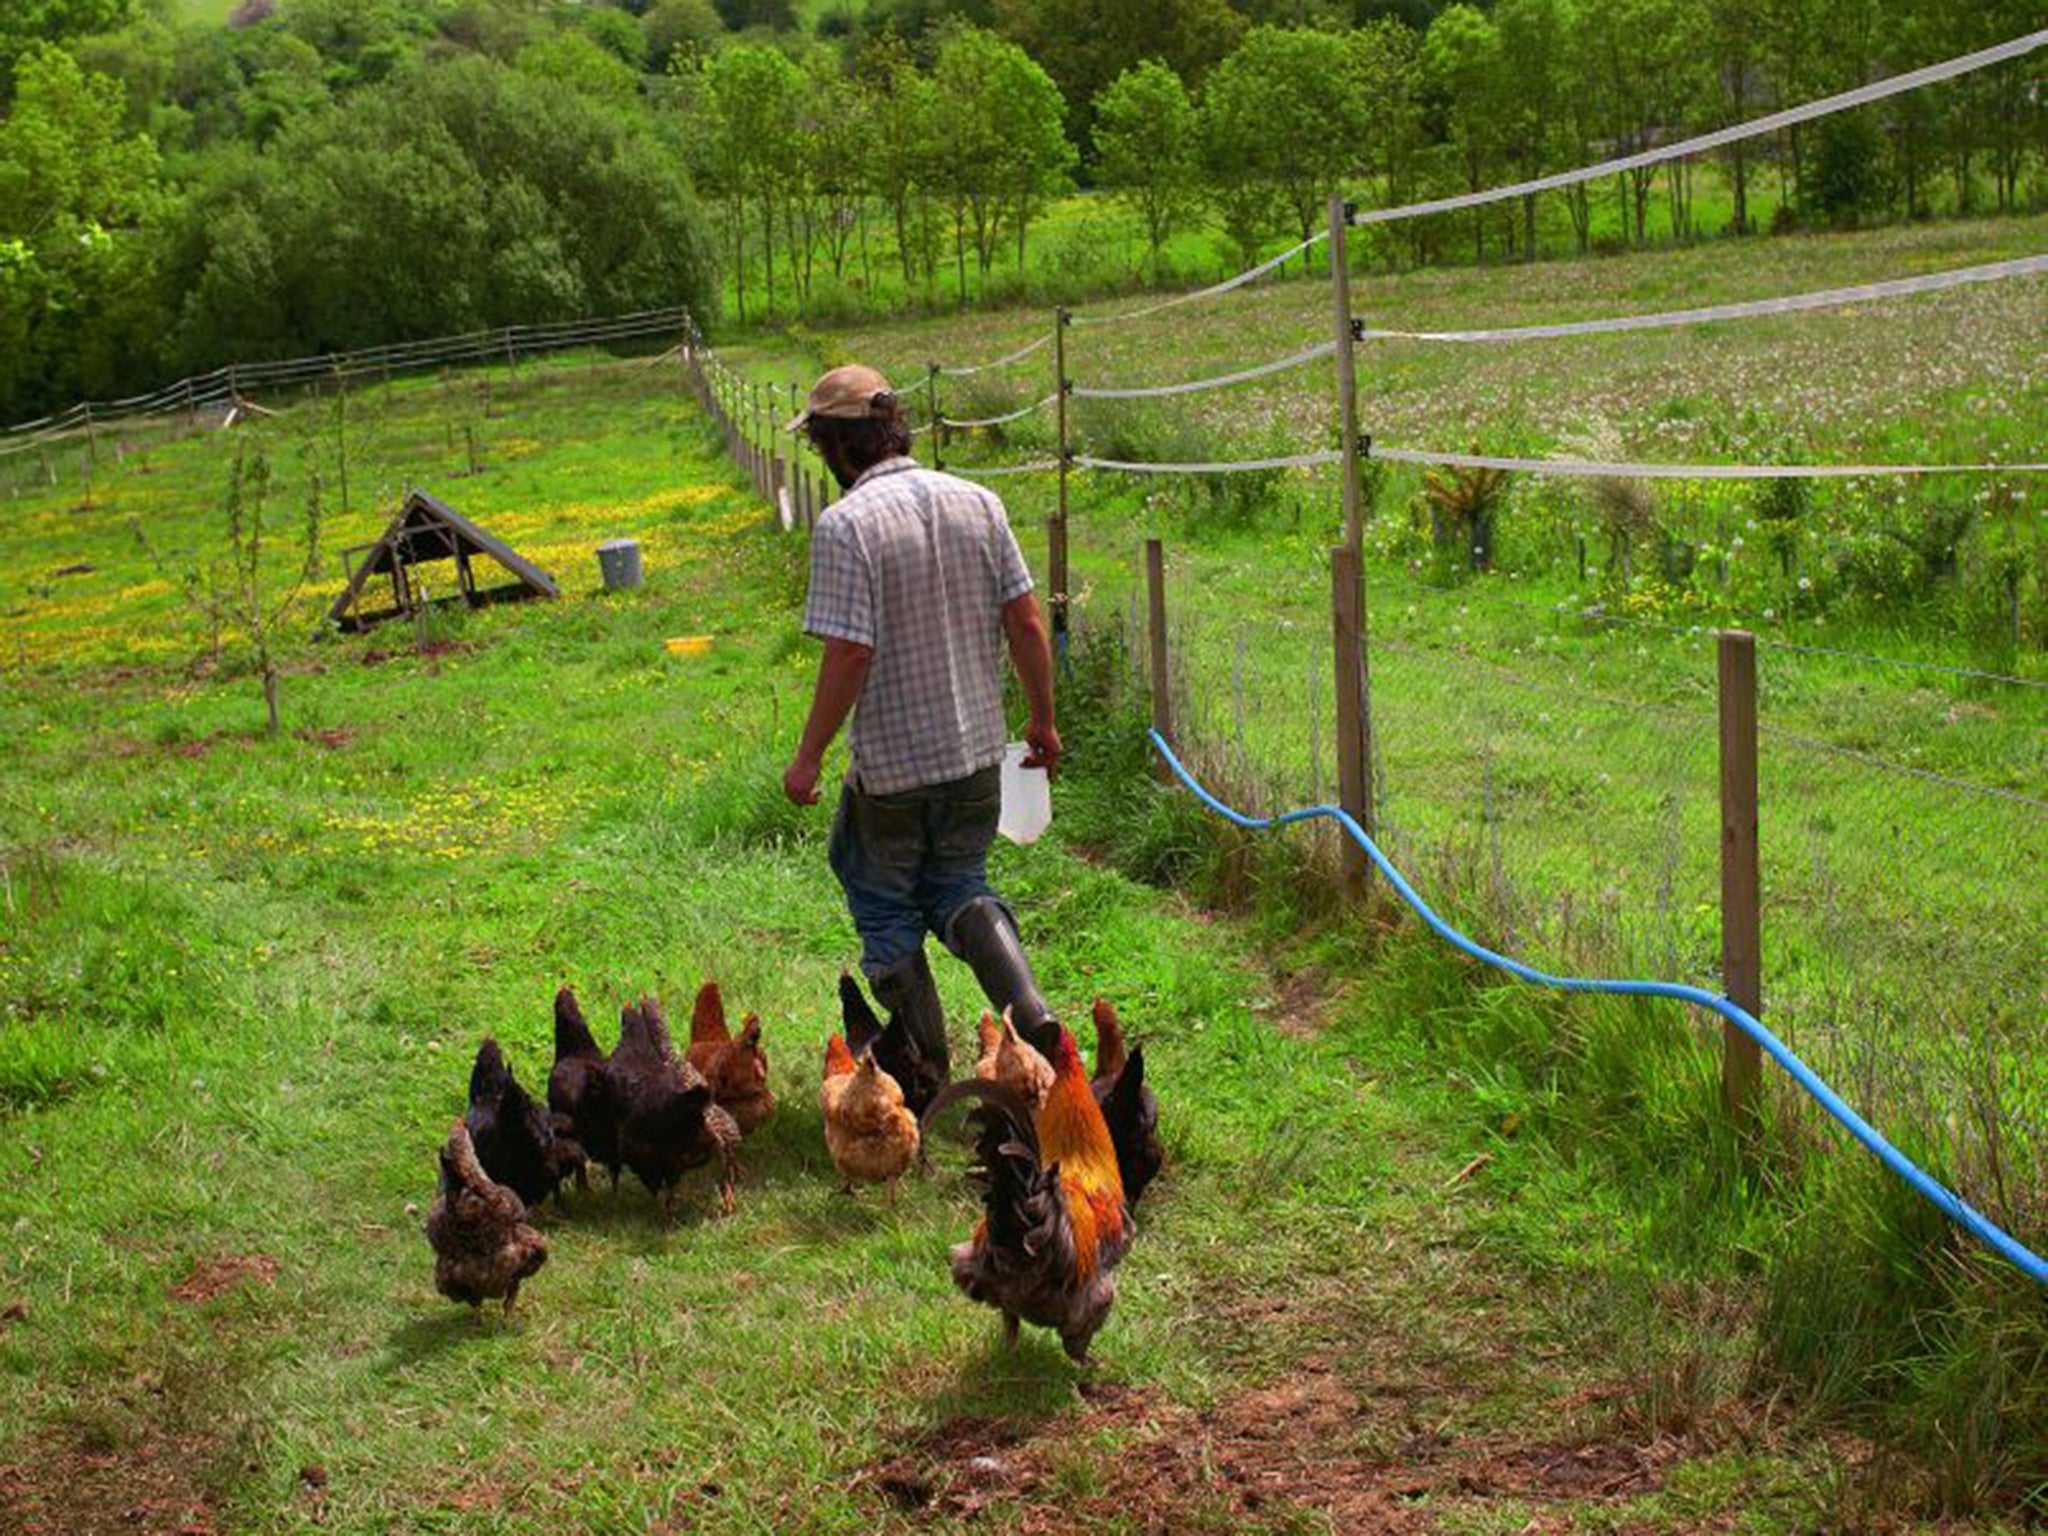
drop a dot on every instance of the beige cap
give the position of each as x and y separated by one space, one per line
847 393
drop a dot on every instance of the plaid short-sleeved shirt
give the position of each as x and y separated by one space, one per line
917 565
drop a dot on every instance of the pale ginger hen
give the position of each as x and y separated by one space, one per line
1011 1060
871 1135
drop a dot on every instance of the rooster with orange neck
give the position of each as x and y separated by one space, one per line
1054 1222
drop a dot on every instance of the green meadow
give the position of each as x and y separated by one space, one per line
1431 1254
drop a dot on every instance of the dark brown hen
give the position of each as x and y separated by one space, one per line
668 1123
515 1138
579 1093
483 1248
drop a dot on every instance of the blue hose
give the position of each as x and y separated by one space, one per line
1939 1195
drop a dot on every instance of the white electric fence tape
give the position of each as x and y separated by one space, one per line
962 370
1829 298
1290 461
1192 386
1036 467
1755 128
1206 293
998 421
1590 468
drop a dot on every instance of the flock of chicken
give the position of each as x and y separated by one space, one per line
1063 1157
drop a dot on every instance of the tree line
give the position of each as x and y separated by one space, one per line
321 174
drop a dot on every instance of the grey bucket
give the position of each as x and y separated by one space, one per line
619 559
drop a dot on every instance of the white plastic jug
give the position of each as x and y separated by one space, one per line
1027 797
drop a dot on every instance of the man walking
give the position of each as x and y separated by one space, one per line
917 588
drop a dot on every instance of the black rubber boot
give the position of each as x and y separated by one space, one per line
910 994
982 934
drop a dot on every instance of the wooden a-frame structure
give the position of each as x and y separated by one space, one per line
427 529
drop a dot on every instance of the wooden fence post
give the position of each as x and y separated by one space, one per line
1056 552
1741 881
1347 373
931 398
1162 677
1354 741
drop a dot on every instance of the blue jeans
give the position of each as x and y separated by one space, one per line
910 861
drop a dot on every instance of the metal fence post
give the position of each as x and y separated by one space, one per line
1162 683
1354 744
1056 553
1741 880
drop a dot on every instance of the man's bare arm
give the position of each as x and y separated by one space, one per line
1031 655
841 674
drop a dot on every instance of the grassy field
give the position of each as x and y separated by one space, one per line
1546 731
1561 717
1390 1282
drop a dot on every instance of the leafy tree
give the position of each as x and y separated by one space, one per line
1086 44
1386 65
575 60
613 30
245 595
362 41
1001 146
1149 145
25 23
78 200
902 158
680 27
1463 64
1534 41
465 195
775 15
1284 112
753 91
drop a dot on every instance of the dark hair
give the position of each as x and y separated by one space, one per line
864 441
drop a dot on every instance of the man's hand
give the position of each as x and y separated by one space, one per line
1043 738
800 781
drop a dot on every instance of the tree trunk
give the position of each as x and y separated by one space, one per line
960 252
739 253
270 694
768 255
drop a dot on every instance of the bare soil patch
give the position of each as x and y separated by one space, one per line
213 1277
157 1487
1306 1444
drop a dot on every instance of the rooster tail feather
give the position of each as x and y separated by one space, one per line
1005 1106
